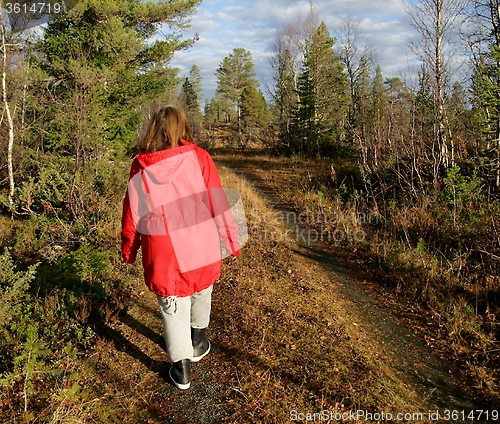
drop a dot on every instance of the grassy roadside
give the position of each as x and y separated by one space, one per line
283 342
279 347
292 343
449 328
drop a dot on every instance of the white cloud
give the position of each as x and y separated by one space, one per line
228 33
205 22
225 18
252 24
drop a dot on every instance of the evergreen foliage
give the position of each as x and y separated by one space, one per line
322 93
235 73
487 87
189 100
88 82
254 109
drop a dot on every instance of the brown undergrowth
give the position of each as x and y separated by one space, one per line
440 314
294 345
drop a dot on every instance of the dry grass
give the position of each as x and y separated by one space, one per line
414 277
293 345
284 338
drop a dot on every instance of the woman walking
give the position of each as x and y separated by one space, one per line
176 209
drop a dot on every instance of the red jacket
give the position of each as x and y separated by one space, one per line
176 209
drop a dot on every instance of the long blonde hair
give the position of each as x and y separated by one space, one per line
167 129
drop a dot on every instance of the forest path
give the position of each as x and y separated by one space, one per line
368 320
401 363
135 344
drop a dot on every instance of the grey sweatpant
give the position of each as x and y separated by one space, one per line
179 314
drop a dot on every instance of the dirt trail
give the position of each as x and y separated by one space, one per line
134 367
374 326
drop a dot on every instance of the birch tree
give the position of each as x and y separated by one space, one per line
437 22
10 121
483 27
358 56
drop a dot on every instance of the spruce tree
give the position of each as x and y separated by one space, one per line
322 89
379 118
99 71
195 80
487 91
285 95
424 108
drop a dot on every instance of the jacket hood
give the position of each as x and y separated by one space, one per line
164 166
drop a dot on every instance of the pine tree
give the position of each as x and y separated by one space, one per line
99 71
321 90
235 73
254 110
196 82
189 102
215 109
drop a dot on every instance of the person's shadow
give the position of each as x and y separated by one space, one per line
122 344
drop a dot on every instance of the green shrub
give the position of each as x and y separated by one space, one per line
14 287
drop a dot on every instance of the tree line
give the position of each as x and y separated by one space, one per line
329 94
73 96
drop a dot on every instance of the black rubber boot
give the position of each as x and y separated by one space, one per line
201 346
180 373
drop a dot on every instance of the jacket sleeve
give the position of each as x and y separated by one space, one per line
131 240
219 205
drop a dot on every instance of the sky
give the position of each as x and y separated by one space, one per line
224 25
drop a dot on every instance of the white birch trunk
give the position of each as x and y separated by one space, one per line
10 121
